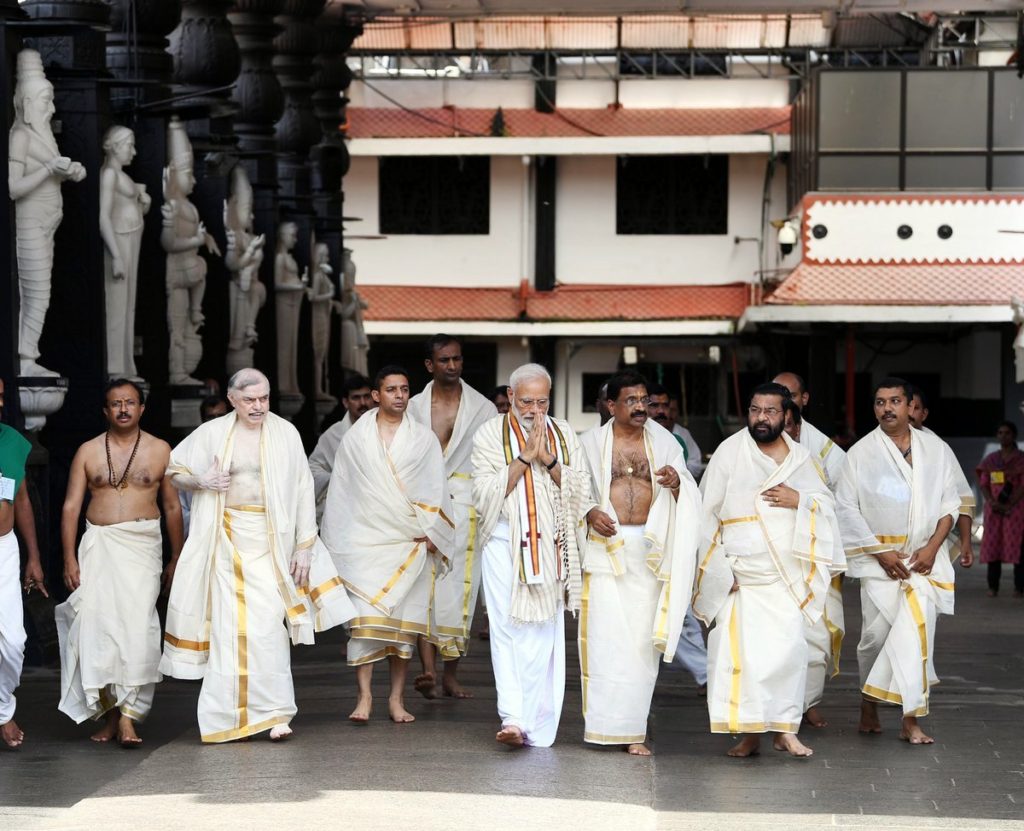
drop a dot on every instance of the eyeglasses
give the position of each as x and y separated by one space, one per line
633 400
529 402
771 412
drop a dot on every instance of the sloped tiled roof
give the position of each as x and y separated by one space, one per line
575 302
381 122
901 284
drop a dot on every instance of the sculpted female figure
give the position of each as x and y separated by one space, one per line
321 295
243 259
35 171
290 288
123 204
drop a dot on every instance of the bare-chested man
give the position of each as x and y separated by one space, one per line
109 629
251 562
647 506
15 509
454 411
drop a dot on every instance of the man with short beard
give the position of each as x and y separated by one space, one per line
531 489
897 500
770 544
109 629
356 397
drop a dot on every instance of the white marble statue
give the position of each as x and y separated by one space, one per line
1018 341
123 204
321 296
243 259
183 234
289 289
35 171
355 346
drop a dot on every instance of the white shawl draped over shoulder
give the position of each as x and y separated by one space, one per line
291 525
804 544
380 501
558 508
671 533
874 518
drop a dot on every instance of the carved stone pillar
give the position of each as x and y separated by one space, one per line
137 56
260 102
206 65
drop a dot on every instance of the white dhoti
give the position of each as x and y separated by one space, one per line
247 686
757 656
528 658
108 628
454 601
824 644
12 625
618 659
376 636
897 642
691 651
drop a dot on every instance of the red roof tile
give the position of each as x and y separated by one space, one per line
370 122
576 302
945 284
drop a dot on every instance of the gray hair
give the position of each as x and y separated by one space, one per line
247 377
527 373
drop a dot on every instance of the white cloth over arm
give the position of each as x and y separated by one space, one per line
321 460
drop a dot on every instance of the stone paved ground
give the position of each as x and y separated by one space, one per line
445 771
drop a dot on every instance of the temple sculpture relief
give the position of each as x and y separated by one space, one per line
321 297
289 288
243 259
355 345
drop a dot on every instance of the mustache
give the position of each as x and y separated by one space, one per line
638 413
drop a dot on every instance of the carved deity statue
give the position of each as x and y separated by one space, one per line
355 346
321 296
182 235
1018 341
289 289
123 204
243 259
35 171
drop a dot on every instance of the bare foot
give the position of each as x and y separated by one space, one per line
280 732
911 732
109 730
637 749
869 722
792 745
12 735
398 713
453 689
361 714
747 746
126 735
511 735
814 718
425 686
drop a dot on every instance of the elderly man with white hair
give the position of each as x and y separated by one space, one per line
532 489
252 562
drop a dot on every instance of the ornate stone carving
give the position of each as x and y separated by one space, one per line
258 93
36 170
205 56
355 346
137 45
289 289
123 204
183 234
243 258
321 297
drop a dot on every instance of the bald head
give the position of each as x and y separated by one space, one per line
795 384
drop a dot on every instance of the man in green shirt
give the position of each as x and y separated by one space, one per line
15 508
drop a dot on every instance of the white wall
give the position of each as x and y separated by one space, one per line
589 251
440 92
471 261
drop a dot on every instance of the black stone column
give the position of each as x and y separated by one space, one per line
260 101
